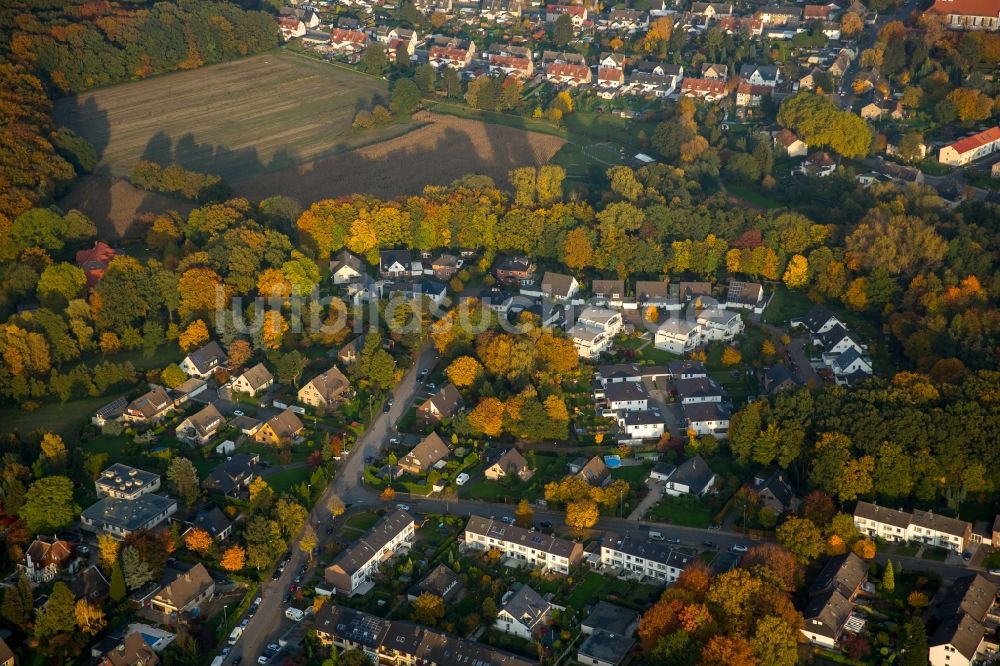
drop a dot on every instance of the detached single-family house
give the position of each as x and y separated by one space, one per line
577 13
626 397
719 325
651 292
819 165
825 616
113 411
204 361
745 296
347 42
422 458
291 27
524 613
442 405
698 389
778 378
48 557
692 477
396 264
510 464
711 70
90 585
212 521
707 418
346 267
232 476
775 490
150 407
595 472
818 320
133 650
444 266
280 429
254 380
326 390
559 287
761 75
416 291
442 582
641 425
515 271
94 262
186 592
201 427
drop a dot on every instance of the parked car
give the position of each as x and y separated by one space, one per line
673 540
507 519
740 548
329 530
423 373
545 525
237 412
995 572
462 479
404 507
708 544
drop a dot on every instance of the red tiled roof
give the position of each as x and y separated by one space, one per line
610 74
572 10
289 22
510 61
966 7
341 36
703 85
94 261
817 11
446 53
747 88
976 140
563 69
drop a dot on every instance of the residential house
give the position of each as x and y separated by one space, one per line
698 389
651 292
396 38
775 490
451 52
818 320
346 268
610 78
626 397
819 165
359 563
837 339
661 472
958 641
849 367
967 14
425 455
48 557
761 75
745 296
595 472
204 361
510 464
778 378
608 617
825 616
541 550
924 527
779 15
188 389
151 407
792 145
524 613
445 266
841 63
577 13
516 60
94 262
232 476
641 425
126 482
692 477
677 336
132 651
894 140
813 79
712 10
718 325
90 585
816 12
971 148
650 84
709 90
428 7
559 287
442 405
326 390
291 27
280 429
688 291
515 271
399 643
871 111
627 19
348 42
185 592
604 648
612 60
707 418
6 654
395 264
212 521
844 573
416 291
686 369
501 11
594 331
568 74
201 427
712 70
351 351
253 380
113 411
750 95
609 289
639 558
442 582
121 518
967 614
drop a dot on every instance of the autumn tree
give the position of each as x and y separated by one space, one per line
198 541
89 617
308 541
864 548
774 643
48 504
487 417
194 335
775 563
850 25
239 353
261 495
335 506
582 514
107 551
464 371
388 494
729 650
428 609
172 376
796 272
524 515
802 538
233 558
731 356
273 329
58 616
578 249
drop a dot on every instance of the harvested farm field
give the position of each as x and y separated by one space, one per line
442 149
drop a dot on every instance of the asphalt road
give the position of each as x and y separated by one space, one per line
269 623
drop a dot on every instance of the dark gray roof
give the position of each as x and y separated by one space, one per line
362 550
625 391
778 377
389 257
113 409
122 478
212 521
361 628
422 288
843 573
700 412
698 387
208 357
611 618
345 258
641 418
826 613
227 476
655 551
443 582
693 472
503 532
882 514
129 515
557 284
836 334
776 481
606 647
972 595
527 607
767 72
816 318
687 368
961 632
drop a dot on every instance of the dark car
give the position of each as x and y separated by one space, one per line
329 531
276 575
967 555
237 661
387 406
708 544
546 524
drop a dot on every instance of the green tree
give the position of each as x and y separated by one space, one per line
425 76
452 83
264 542
48 504
405 97
183 478
117 590
914 652
17 602
172 376
373 60
136 570
58 616
802 538
889 578
290 367
562 31
290 515
59 284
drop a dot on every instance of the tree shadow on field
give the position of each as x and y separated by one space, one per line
86 118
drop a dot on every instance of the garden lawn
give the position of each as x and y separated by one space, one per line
635 475
363 521
786 304
548 468
753 196
283 481
684 511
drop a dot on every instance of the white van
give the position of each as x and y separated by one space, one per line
294 614
462 479
218 661
235 636
655 536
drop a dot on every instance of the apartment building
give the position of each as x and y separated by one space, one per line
541 550
127 483
359 563
594 331
925 527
